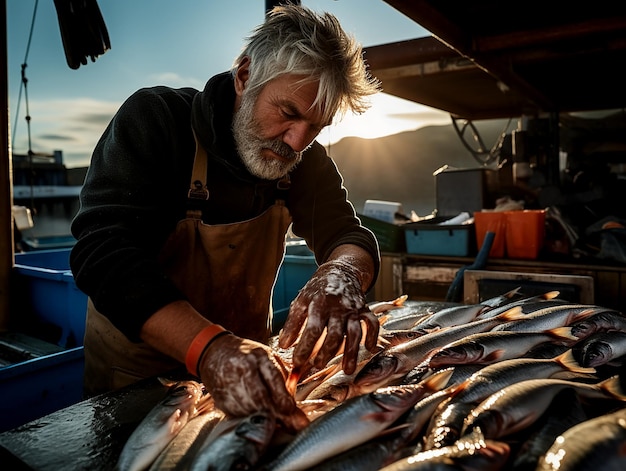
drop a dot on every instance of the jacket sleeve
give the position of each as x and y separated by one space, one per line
322 214
129 203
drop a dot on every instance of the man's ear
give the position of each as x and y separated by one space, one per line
241 75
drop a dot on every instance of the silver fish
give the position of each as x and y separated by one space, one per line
604 321
161 425
495 377
471 452
597 443
453 315
179 452
367 415
493 346
235 444
601 348
517 406
498 301
524 302
395 362
550 318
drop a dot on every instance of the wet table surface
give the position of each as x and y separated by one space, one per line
88 435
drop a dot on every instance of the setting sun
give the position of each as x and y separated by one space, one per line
387 115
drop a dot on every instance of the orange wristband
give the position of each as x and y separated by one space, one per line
199 344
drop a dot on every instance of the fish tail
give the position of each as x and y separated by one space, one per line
563 333
568 361
550 295
399 301
613 387
513 314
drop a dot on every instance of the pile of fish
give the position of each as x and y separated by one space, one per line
513 383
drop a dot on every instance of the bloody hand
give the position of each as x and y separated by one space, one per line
332 300
244 377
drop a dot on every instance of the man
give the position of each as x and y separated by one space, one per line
184 213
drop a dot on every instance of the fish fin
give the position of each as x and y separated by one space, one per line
568 360
494 356
613 387
563 333
384 318
550 295
438 381
513 314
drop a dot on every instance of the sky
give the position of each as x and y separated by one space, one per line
167 42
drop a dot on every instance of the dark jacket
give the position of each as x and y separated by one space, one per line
136 187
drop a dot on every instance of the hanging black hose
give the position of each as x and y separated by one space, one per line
83 31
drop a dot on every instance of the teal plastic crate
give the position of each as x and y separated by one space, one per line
47 291
429 238
295 271
390 236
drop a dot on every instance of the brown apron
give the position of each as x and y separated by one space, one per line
227 273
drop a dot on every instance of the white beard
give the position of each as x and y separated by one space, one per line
246 131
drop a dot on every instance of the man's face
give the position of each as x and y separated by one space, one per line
272 129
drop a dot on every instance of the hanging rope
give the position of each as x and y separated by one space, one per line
83 31
24 81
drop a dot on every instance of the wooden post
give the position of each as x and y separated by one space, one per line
6 192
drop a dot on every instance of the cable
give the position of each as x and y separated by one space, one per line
482 155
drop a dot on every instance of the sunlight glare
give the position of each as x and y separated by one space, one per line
388 115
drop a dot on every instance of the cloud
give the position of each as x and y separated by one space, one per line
70 125
172 79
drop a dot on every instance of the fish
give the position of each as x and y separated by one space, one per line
350 424
471 452
604 321
597 443
419 415
370 456
385 306
179 452
495 377
601 348
518 406
407 315
524 302
502 299
446 424
550 318
183 401
565 411
447 421
394 363
235 443
450 316
493 346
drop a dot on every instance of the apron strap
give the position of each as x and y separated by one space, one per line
198 190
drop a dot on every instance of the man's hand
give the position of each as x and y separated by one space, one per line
244 376
332 300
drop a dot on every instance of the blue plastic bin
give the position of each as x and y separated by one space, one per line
433 239
49 292
295 271
38 387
